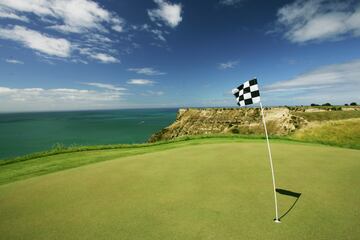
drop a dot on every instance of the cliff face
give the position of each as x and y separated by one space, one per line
279 121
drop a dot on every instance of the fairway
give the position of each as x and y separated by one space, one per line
217 191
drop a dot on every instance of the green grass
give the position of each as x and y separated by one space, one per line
328 115
195 190
65 158
52 161
61 149
345 133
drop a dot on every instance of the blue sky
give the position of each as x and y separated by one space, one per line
105 54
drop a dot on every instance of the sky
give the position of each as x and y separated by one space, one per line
112 54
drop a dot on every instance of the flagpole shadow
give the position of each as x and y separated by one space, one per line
291 194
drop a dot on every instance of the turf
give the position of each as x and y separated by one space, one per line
205 191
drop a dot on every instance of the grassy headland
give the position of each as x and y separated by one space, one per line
342 131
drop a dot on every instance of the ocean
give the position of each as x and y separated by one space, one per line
24 133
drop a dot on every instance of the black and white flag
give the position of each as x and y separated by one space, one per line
247 93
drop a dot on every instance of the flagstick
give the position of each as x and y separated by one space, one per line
277 220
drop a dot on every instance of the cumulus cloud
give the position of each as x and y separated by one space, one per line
14 61
59 47
166 12
146 71
26 99
319 20
337 82
227 65
140 82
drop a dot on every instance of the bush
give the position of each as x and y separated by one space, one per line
353 104
326 104
235 131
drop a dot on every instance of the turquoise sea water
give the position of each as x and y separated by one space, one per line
23 133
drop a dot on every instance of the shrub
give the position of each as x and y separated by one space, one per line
235 131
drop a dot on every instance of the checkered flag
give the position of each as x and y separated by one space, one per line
247 93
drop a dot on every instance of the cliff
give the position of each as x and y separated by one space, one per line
280 121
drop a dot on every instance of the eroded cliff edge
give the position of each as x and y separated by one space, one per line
198 121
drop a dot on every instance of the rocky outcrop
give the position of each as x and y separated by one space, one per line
191 121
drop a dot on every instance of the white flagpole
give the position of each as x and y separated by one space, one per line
277 220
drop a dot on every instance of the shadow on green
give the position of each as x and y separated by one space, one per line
290 194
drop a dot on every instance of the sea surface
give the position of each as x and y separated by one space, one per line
24 133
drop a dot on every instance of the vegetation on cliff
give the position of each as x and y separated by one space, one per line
311 124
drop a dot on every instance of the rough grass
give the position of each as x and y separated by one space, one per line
328 115
202 191
345 133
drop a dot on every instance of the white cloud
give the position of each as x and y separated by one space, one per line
118 24
337 74
140 82
230 2
96 38
28 99
14 61
153 93
158 34
105 86
6 13
319 20
102 57
227 65
59 47
65 28
167 12
338 83
146 71
105 58
91 26
118 28
74 15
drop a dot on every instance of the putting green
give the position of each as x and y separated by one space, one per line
208 191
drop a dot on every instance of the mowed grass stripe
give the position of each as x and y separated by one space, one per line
208 191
